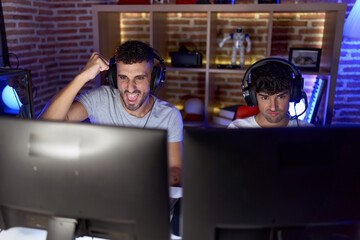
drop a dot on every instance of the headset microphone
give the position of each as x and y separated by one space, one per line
306 106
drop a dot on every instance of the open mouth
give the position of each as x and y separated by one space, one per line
132 97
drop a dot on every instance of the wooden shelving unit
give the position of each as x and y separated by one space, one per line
108 28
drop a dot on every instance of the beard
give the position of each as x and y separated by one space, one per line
133 107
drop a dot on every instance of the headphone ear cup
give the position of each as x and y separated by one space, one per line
156 78
250 97
253 98
248 92
296 93
111 75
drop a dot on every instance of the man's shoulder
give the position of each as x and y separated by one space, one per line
164 110
103 89
102 92
161 104
99 96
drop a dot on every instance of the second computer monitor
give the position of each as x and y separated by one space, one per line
259 184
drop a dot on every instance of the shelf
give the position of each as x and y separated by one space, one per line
272 28
301 7
180 69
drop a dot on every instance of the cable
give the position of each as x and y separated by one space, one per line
150 113
297 117
18 62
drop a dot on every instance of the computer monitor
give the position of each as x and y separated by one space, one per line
78 179
289 183
16 93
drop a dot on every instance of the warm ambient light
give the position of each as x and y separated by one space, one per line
351 27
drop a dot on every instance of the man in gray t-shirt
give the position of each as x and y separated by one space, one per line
162 116
127 102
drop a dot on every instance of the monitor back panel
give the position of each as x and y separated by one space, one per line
114 178
266 178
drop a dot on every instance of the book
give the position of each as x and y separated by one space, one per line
229 112
222 121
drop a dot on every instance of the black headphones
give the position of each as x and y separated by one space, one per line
296 85
157 74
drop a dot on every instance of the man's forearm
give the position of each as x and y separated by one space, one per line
59 105
175 176
58 108
175 162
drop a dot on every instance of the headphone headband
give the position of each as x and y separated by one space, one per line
157 74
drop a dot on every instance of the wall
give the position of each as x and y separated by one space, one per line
347 96
51 38
54 40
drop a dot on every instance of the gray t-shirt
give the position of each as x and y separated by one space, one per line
250 122
104 106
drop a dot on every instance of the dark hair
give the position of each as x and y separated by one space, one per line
134 52
271 78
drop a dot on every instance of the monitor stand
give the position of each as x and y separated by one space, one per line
61 229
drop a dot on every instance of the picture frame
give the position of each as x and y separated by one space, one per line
305 59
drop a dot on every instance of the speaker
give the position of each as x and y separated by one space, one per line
186 59
157 73
296 84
